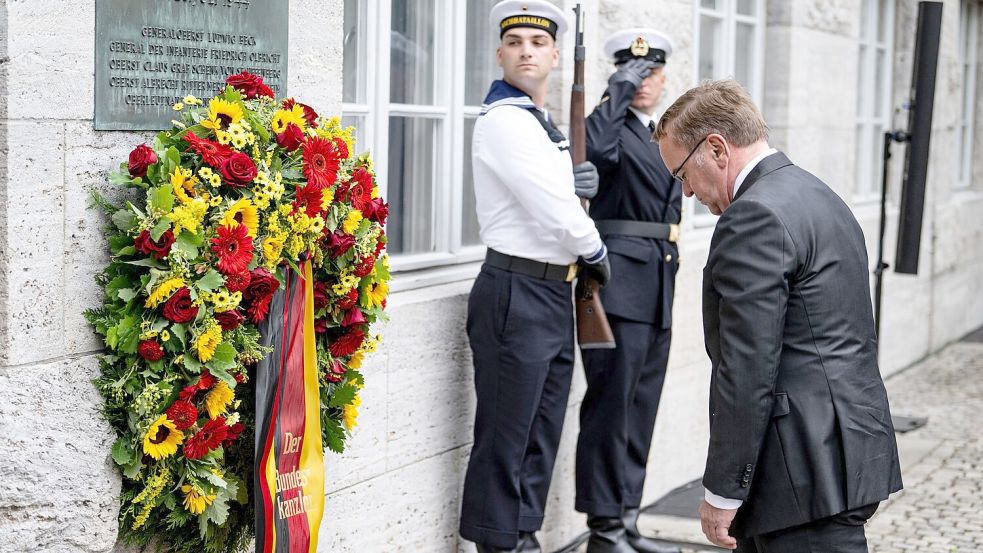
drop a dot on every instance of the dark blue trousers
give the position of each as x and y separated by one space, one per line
521 333
617 417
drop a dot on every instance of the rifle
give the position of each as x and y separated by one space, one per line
593 329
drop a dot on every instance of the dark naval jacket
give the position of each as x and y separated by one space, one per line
634 185
800 427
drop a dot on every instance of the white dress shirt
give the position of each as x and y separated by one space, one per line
524 191
712 498
642 116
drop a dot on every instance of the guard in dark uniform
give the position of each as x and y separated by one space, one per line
637 211
520 312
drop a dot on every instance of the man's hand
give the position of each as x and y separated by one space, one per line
585 180
600 271
633 71
716 523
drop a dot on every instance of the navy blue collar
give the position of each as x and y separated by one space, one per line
502 93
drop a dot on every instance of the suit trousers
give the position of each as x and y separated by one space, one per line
521 333
841 533
617 417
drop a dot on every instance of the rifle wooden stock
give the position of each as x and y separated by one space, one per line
593 329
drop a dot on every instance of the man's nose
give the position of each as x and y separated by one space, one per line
687 191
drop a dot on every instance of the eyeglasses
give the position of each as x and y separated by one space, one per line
675 174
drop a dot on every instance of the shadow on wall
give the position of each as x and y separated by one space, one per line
4 66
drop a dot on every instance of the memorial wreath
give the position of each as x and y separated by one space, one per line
210 221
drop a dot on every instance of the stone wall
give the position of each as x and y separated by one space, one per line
398 486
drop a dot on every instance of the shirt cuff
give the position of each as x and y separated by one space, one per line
721 502
597 256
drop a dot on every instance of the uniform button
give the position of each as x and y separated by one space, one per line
668 258
749 467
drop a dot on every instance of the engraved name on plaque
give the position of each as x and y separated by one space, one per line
150 54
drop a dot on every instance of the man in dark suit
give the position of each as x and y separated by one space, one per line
637 211
802 448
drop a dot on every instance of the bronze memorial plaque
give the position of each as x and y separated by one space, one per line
150 54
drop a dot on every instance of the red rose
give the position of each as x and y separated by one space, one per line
381 244
350 300
339 243
347 343
238 170
377 210
320 326
140 158
353 316
309 114
229 320
237 282
336 373
159 249
291 138
250 85
321 299
179 308
262 285
150 350
183 414
233 433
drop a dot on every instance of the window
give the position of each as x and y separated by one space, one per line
969 19
729 37
415 74
874 94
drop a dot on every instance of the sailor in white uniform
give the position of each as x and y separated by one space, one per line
520 314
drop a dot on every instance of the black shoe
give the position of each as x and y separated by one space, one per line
607 535
640 543
482 548
528 543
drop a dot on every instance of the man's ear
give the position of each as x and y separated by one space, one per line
498 55
719 149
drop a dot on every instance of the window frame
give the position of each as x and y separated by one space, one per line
447 110
724 66
969 44
868 146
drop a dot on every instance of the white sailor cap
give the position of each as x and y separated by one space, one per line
537 14
638 43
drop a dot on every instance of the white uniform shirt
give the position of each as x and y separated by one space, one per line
523 187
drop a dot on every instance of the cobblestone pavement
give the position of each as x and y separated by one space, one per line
941 508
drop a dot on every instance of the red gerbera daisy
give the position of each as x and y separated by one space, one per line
212 153
234 249
347 343
360 191
208 438
183 414
309 114
150 350
237 282
309 199
321 157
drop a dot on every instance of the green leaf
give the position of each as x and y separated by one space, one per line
162 225
123 453
292 174
218 511
132 470
180 333
215 479
124 220
127 294
147 262
192 364
212 280
334 435
224 359
343 395
185 245
161 198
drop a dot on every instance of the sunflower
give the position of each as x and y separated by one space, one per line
272 247
183 185
243 211
284 117
321 161
221 114
351 413
218 399
234 249
207 342
377 294
162 438
196 500
163 292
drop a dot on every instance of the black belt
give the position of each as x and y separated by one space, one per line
529 267
644 229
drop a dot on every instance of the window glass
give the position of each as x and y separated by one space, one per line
412 165
412 44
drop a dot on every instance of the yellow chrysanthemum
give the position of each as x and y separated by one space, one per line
177 106
284 117
327 196
196 500
189 216
352 221
162 438
183 185
243 211
351 412
207 342
221 114
192 100
224 301
356 361
272 247
238 142
218 400
163 291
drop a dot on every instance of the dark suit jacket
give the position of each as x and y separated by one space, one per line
800 427
635 185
